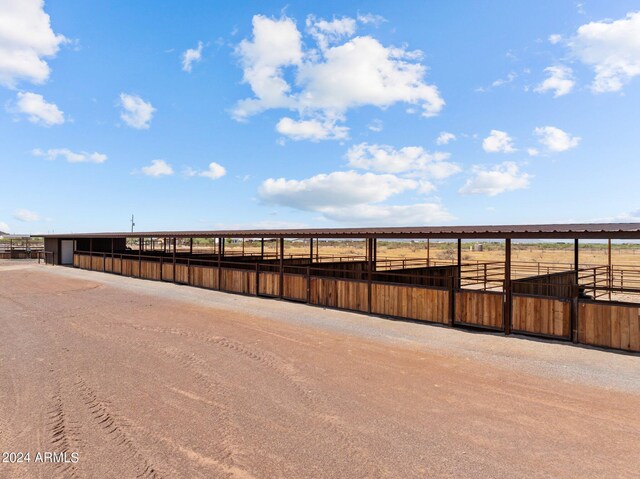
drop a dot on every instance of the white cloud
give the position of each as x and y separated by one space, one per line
4 227
560 81
191 56
626 217
334 190
390 215
498 141
414 160
370 18
533 151
499 82
328 32
26 216
136 112
425 187
276 44
503 81
555 139
555 38
498 179
260 225
70 156
444 138
353 198
612 49
26 40
376 125
313 130
38 111
213 171
364 72
325 82
158 168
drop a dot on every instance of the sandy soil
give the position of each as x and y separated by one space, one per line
147 379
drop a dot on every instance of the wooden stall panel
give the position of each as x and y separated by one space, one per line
97 263
117 265
538 315
609 325
167 272
130 267
295 287
84 262
108 265
76 260
182 274
479 308
409 302
238 281
204 277
269 284
150 270
341 294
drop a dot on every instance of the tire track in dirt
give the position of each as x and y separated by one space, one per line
64 436
268 360
314 403
7 397
218 414
110 425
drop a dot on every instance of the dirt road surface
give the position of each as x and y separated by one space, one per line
145 379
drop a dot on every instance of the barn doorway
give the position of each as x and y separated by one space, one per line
66 251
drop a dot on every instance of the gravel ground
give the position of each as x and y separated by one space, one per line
149 379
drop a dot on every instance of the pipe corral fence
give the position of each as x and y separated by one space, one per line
582 303
21 247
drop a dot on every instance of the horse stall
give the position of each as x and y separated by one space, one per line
542 305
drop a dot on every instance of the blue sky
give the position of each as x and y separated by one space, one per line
317 114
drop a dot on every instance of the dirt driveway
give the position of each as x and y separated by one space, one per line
145 379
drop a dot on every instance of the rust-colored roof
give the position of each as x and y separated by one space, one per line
544 231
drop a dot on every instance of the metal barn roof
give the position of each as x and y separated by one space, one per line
540 231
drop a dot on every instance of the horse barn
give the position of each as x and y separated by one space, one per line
592 304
